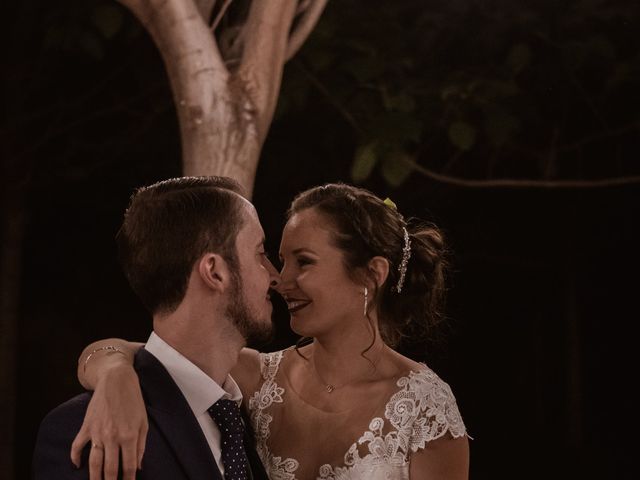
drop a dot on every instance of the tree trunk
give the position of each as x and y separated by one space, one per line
221 140
233 153
224 114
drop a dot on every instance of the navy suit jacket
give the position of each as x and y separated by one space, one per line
176 447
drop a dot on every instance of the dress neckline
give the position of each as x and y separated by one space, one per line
422 409
387 398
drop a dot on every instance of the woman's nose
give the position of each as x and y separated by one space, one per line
285 280
273 275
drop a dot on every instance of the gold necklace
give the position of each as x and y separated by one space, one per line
329 387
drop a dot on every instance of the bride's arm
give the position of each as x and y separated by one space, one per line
446 458
99 357
116 419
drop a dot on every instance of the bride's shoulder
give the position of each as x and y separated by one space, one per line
420 378
247 371
405 367
433 403
405 364
254 367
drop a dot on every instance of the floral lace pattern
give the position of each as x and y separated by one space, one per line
270 392
422 410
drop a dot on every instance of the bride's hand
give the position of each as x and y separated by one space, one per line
116 421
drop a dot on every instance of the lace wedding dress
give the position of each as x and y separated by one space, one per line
374 441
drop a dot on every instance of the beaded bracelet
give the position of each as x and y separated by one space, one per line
110 348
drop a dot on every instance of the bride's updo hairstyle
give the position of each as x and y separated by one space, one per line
366 227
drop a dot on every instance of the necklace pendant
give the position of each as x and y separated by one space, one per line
330 388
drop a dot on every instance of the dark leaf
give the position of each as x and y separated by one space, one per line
462 135
364 161
396 168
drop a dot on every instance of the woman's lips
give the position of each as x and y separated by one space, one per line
296 305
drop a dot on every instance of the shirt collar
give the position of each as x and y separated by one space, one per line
200 390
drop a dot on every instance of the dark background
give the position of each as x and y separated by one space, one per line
541 349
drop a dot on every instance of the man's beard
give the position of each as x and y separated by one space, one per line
254 331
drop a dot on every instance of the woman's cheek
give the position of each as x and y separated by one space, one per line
304 280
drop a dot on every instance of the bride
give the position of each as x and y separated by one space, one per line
342 405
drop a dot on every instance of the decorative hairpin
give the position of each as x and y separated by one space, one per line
406 249
406 255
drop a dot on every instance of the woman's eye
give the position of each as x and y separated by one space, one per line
302 261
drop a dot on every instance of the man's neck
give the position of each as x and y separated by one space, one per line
211 346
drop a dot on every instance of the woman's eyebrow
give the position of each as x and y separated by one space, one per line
298 251
303 250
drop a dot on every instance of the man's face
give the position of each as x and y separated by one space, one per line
250 303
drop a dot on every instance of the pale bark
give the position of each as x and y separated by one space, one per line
310 15
205 7
220 14
225 115
266 34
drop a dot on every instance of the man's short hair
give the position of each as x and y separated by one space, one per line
168 226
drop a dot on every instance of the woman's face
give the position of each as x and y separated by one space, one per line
320 295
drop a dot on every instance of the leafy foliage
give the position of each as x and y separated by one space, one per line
478 88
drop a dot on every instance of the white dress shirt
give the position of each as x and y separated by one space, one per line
200 390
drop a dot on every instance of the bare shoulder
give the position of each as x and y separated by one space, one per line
249 356
246 373
404 364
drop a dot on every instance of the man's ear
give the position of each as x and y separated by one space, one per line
378 268
214 272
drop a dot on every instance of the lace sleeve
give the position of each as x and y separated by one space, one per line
424 409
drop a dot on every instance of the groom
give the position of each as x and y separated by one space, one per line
192 250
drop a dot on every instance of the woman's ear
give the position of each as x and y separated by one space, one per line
214 272
379 269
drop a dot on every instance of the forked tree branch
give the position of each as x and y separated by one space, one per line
224 115
221 12
194 64
205 7
310 16
518 183
265 41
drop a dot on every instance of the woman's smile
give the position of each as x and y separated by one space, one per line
294 305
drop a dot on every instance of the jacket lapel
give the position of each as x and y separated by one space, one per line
169 410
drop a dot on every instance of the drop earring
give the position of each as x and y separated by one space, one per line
366 300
